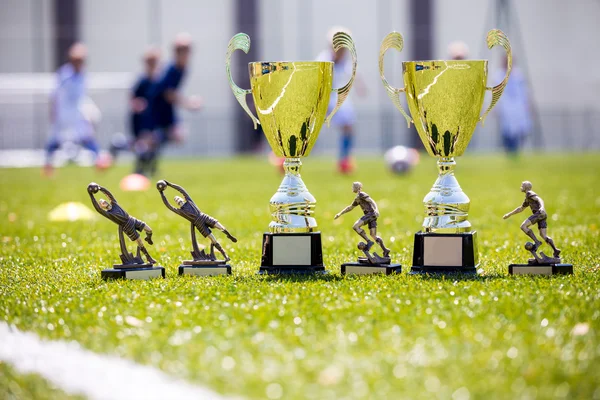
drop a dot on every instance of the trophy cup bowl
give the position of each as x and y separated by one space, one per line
291 100
445 98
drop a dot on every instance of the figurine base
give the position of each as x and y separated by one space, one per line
139 271
204 268
445 253
540 269
292 270
361 268
292 253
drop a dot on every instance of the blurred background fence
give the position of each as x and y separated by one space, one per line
555 43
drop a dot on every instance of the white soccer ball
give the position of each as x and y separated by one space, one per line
400 159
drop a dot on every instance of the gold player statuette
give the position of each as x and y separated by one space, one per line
372 262
291 99
445 98
540 264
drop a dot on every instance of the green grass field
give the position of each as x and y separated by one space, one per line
322 337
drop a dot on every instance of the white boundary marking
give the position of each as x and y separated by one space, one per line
79 371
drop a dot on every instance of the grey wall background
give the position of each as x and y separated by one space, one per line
559 42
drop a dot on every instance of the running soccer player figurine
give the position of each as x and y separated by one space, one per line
538 217
199 220
371 213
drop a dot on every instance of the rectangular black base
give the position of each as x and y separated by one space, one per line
355 268
445 253
543 269
292 253
133 273
205 270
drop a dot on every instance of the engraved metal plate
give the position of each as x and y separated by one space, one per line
442 251
292 250
204 271
144 274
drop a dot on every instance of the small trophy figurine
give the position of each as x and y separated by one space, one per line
540 264
132 267
371 263
202 263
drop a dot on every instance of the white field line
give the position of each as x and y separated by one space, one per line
78 371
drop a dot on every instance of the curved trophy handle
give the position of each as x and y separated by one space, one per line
392 40
494 37
239 41
342 39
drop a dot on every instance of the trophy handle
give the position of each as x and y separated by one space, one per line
342 39
494 37
239 41
392 40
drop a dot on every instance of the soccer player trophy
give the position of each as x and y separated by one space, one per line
202 263
291 100
371 263
540 264
132 267
445 98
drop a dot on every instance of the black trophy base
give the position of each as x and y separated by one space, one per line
445 253
138 271
292 253
540 269
359 268
204 268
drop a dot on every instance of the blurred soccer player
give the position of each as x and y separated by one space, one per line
67 107
345 116
165 97
514 109
140 118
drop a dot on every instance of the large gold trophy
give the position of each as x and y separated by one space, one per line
291 99
445 98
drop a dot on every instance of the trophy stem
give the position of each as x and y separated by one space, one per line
292 206
446 205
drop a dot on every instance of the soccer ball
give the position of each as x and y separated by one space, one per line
400 159
529 246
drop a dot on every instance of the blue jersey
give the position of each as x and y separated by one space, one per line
142 121
163 112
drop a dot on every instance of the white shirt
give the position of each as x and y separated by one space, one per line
342 71
69 94
513 106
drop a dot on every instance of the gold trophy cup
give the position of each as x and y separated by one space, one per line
291 99
445 98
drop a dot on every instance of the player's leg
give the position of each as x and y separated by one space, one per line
225 231
548 239
218 246
143 149
148 232
346 141
161 139
361 232
85 136
141 247
379 240
525 227
52 145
